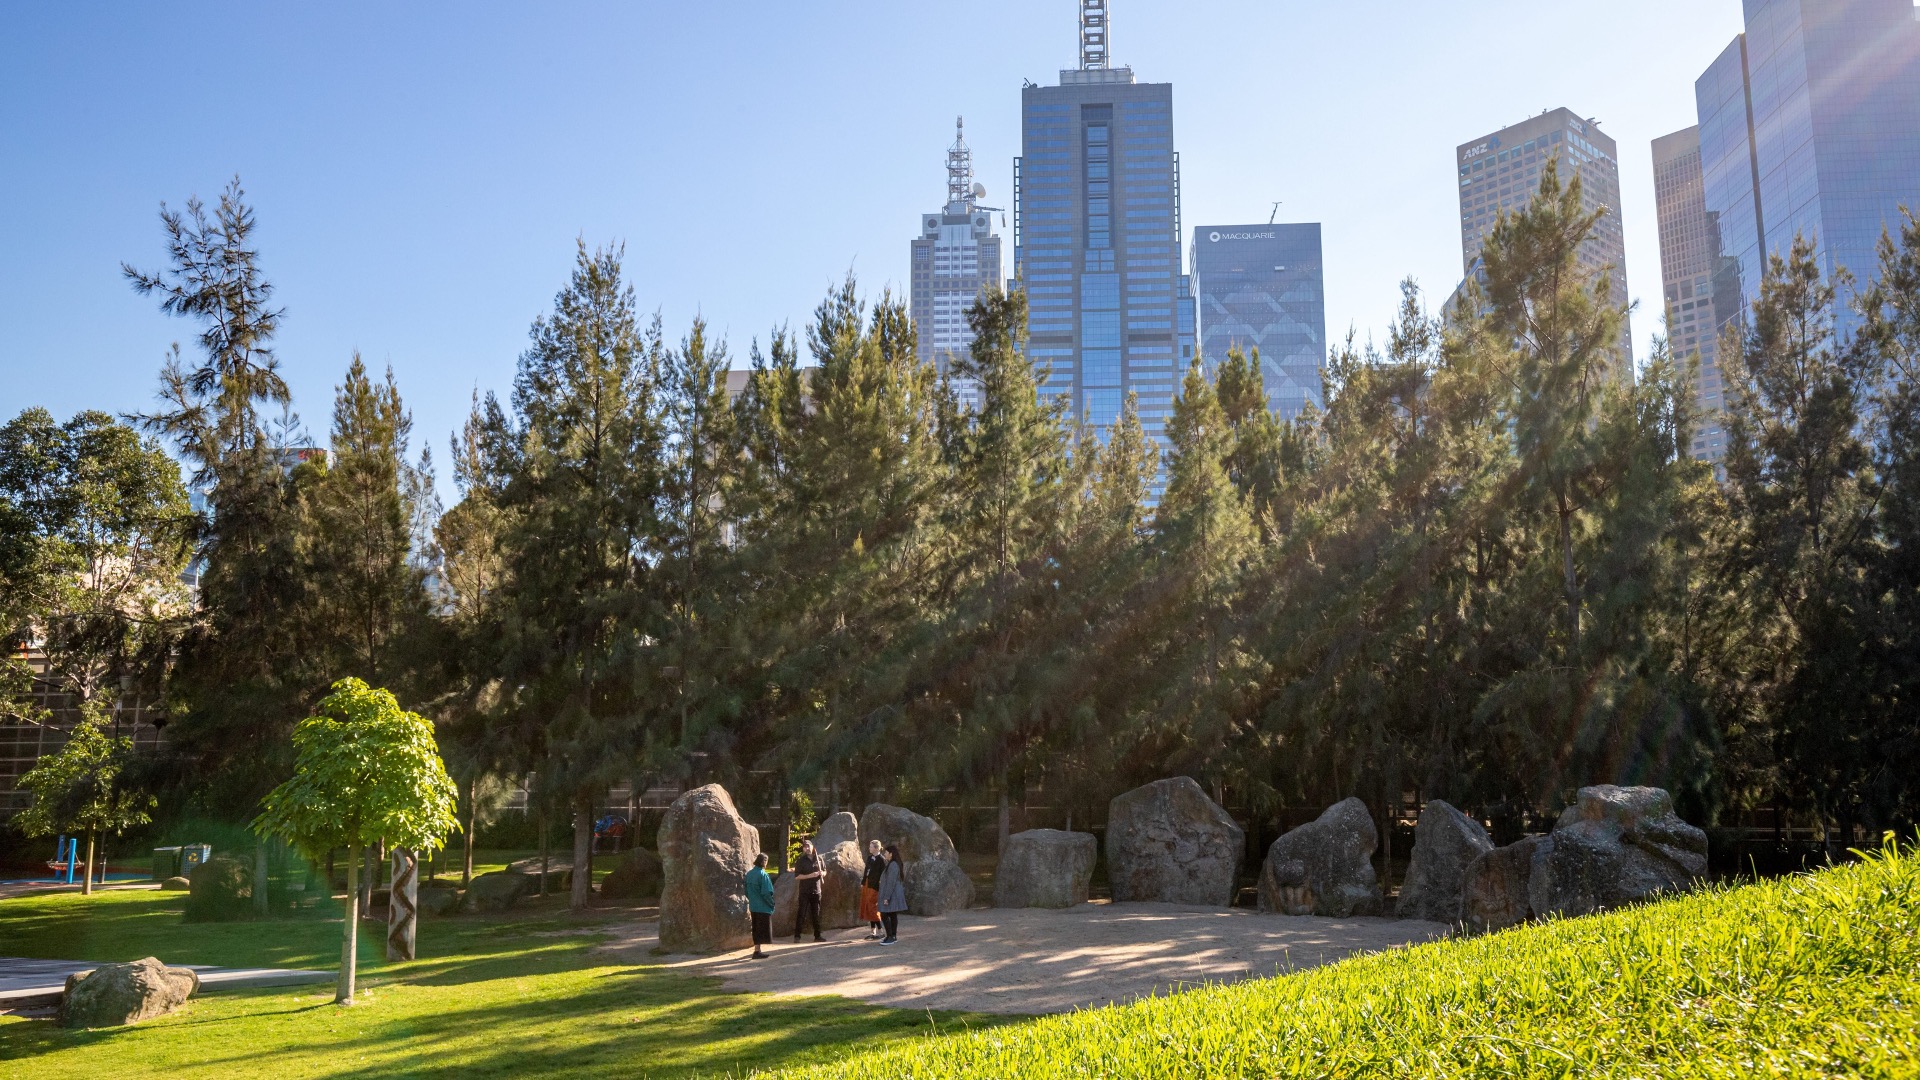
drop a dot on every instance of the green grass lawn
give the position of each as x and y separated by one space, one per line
1806 977
518 995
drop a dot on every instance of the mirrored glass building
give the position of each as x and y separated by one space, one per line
1261 287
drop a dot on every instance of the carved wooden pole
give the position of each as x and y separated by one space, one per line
403 905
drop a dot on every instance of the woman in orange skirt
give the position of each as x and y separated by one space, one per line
870 889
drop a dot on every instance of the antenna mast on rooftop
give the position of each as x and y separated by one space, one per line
959 164
1093 34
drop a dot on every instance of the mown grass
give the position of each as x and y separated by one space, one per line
524 994
1812 976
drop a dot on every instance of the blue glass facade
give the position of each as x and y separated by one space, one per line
1261 287
1810 125
1097 243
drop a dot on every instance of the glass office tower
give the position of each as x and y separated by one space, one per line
1810 125
1096 237
955 256
1261 287
1689 258
1501 171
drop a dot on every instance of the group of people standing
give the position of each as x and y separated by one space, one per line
883 895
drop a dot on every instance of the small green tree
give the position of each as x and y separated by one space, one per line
367 770
77 790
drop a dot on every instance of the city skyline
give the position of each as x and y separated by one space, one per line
400 165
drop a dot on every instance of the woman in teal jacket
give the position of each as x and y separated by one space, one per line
760 903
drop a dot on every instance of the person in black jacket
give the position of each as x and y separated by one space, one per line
870 889
807 876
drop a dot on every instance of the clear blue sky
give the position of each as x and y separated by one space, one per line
421 171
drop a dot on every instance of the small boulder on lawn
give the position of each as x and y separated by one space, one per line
176 884
220 890
1045 868
1334 853
637 877
559 873
705 849
437 900
929 864
1445 843
1168 843
116 994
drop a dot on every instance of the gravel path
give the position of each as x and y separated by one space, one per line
1025 961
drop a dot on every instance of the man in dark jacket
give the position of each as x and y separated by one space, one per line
807 876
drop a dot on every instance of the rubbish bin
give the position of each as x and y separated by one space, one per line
192 855
166 863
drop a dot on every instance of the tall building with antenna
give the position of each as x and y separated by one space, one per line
955 256
1096 235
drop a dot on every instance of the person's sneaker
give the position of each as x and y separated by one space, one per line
817 937
888 941
758 956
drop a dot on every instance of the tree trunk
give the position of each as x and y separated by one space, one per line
582 852
1001 846
329 872
786 827
1571 582
86 882
473 819
546 852
350 935
260 877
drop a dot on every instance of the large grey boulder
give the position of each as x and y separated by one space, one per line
1615 845
1495 890
1331 857
1445 843
929 863
497 891
706 848
838 845
1168 843
220 890
636 877
1045 868
116 994
438 900
559 873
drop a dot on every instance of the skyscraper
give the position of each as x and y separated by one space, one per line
1501 171
1096 235
1810 125
1261 287
1688 265
955 256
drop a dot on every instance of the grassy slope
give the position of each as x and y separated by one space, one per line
521 995
1805 977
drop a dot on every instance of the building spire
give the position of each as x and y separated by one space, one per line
1093 34
959 165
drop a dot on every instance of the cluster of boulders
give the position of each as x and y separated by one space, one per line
1613 846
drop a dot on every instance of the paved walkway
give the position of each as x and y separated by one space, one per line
28 983
998 960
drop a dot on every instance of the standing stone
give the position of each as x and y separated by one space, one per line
838 845
935 882
559 873
116 994
1616 845
403 905
1495 890
1045 868
1334 857
1445 843
706 848
1168 843
637 877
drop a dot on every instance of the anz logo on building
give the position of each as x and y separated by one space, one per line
1216 236
1487 147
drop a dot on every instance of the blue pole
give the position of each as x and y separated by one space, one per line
73 856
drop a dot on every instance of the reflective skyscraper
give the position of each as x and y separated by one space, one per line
1097 236
1501 171
1261 287
1810 125
1689 265
955 256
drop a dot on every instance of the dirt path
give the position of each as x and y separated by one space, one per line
998 960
